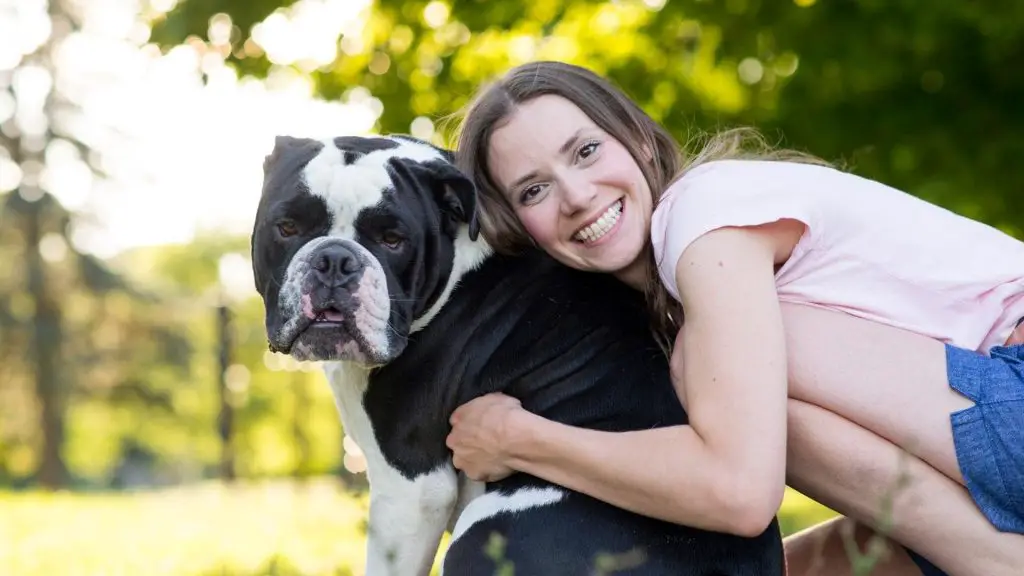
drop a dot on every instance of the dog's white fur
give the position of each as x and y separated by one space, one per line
490 504
407 517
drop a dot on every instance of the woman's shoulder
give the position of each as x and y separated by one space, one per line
721 187
745 175
769 187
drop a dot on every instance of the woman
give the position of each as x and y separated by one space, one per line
748 241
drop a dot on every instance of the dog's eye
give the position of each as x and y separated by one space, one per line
391 239
287 228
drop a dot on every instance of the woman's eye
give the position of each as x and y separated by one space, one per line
391 240
530 193
588 149
287 228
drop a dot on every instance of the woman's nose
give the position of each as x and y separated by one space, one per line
577 194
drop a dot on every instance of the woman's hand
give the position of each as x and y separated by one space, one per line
480 436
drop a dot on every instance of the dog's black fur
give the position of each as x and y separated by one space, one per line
573 347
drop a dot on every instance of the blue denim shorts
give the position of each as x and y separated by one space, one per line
989 436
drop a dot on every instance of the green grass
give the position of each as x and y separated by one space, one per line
276 528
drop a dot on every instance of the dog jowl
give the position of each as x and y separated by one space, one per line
343 229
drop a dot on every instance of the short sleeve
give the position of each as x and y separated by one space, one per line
721 194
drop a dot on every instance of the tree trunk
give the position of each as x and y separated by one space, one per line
226 418
47 339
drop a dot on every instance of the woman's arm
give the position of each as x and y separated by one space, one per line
726 470
664 473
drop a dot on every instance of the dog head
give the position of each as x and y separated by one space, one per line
358 242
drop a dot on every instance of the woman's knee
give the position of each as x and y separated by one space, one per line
865 477
844 466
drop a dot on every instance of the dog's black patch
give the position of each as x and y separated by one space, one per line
355 147
282 181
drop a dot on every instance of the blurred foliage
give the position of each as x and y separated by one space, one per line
274 528
921 97
142 389
108 370
121 359
285 419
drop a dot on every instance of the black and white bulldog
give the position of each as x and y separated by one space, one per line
365 252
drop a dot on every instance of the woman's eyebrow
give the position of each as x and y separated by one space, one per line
566 146
522 180
572 140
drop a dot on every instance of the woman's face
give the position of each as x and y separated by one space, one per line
577 191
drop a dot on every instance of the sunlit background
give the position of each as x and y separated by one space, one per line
144 426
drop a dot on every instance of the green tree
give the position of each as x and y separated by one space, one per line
72 330
921 97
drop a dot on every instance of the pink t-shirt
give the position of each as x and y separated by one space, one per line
869 250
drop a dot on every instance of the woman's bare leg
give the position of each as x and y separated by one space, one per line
889 381
855 472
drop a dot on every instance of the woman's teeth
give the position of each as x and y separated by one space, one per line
595 231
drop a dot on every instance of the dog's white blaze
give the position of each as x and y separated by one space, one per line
407 517
349 188
493 503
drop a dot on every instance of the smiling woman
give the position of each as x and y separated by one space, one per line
908 320
587 214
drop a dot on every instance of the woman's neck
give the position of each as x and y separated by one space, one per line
634 275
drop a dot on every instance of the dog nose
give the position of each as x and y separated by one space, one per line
337 265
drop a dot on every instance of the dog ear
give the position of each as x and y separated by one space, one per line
286 147
453 191
457 195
